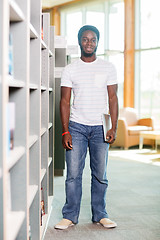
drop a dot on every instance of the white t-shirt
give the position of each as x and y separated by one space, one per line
89 86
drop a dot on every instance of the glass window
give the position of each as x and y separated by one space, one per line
116 43
108 17
147 70
118 61
150 20
72 29
97 19
150 85
116 26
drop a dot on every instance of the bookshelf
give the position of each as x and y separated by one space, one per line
26 140
60 63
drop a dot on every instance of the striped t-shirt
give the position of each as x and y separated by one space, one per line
89 87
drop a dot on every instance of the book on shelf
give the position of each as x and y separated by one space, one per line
41 217
30 233
42 202
42 213
106 120
10 56
10 125
42 28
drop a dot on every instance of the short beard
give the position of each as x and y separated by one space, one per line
87 54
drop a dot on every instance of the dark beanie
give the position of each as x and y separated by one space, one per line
85 28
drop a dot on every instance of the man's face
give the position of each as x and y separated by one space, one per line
88 43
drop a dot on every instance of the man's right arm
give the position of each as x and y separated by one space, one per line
65 114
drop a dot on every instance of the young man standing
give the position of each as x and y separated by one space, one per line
93 82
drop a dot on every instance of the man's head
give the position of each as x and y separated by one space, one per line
86 28
88 37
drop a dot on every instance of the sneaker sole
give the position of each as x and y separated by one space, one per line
62 227
108 225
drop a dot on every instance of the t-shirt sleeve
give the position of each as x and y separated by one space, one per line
66 78
112 75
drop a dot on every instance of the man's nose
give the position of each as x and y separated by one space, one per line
90 42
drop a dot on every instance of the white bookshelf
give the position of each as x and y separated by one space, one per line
51 122
60 63
14 220
29 164
14 156
33 189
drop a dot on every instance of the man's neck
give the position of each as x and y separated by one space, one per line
88 59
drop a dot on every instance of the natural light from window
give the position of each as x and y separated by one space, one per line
148 61
150 20
108 17
72 29
97 19
116 26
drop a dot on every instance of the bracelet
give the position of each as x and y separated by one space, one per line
64 133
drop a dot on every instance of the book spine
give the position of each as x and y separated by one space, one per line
10 125
42 202
10 64
42 29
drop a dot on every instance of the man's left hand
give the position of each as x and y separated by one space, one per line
111 136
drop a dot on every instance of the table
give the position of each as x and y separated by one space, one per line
155 135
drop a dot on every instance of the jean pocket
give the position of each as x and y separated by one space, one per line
72 124
75 127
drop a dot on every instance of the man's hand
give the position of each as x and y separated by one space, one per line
113 109
67 141
111 136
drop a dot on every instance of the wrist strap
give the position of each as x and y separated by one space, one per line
64 133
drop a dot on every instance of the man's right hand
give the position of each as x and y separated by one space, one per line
67 141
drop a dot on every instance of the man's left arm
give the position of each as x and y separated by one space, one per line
113 109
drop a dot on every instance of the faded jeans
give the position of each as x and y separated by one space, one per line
83 137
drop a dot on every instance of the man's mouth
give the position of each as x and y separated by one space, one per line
89 49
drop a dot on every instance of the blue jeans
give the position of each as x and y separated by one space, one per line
83 137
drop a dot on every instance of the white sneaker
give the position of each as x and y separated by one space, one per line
64 224
107 223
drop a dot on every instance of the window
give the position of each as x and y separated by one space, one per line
147 58
150 19
118 61
71 31
116 26
108 17
97 19
150 84
116 43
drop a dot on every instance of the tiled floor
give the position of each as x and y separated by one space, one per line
133 201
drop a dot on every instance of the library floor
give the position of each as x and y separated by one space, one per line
133 201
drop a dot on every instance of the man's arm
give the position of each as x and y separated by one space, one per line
65 113
113 109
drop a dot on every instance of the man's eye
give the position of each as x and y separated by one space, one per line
85 40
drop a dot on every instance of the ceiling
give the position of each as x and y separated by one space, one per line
53 3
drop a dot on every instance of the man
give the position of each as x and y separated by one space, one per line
94 86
